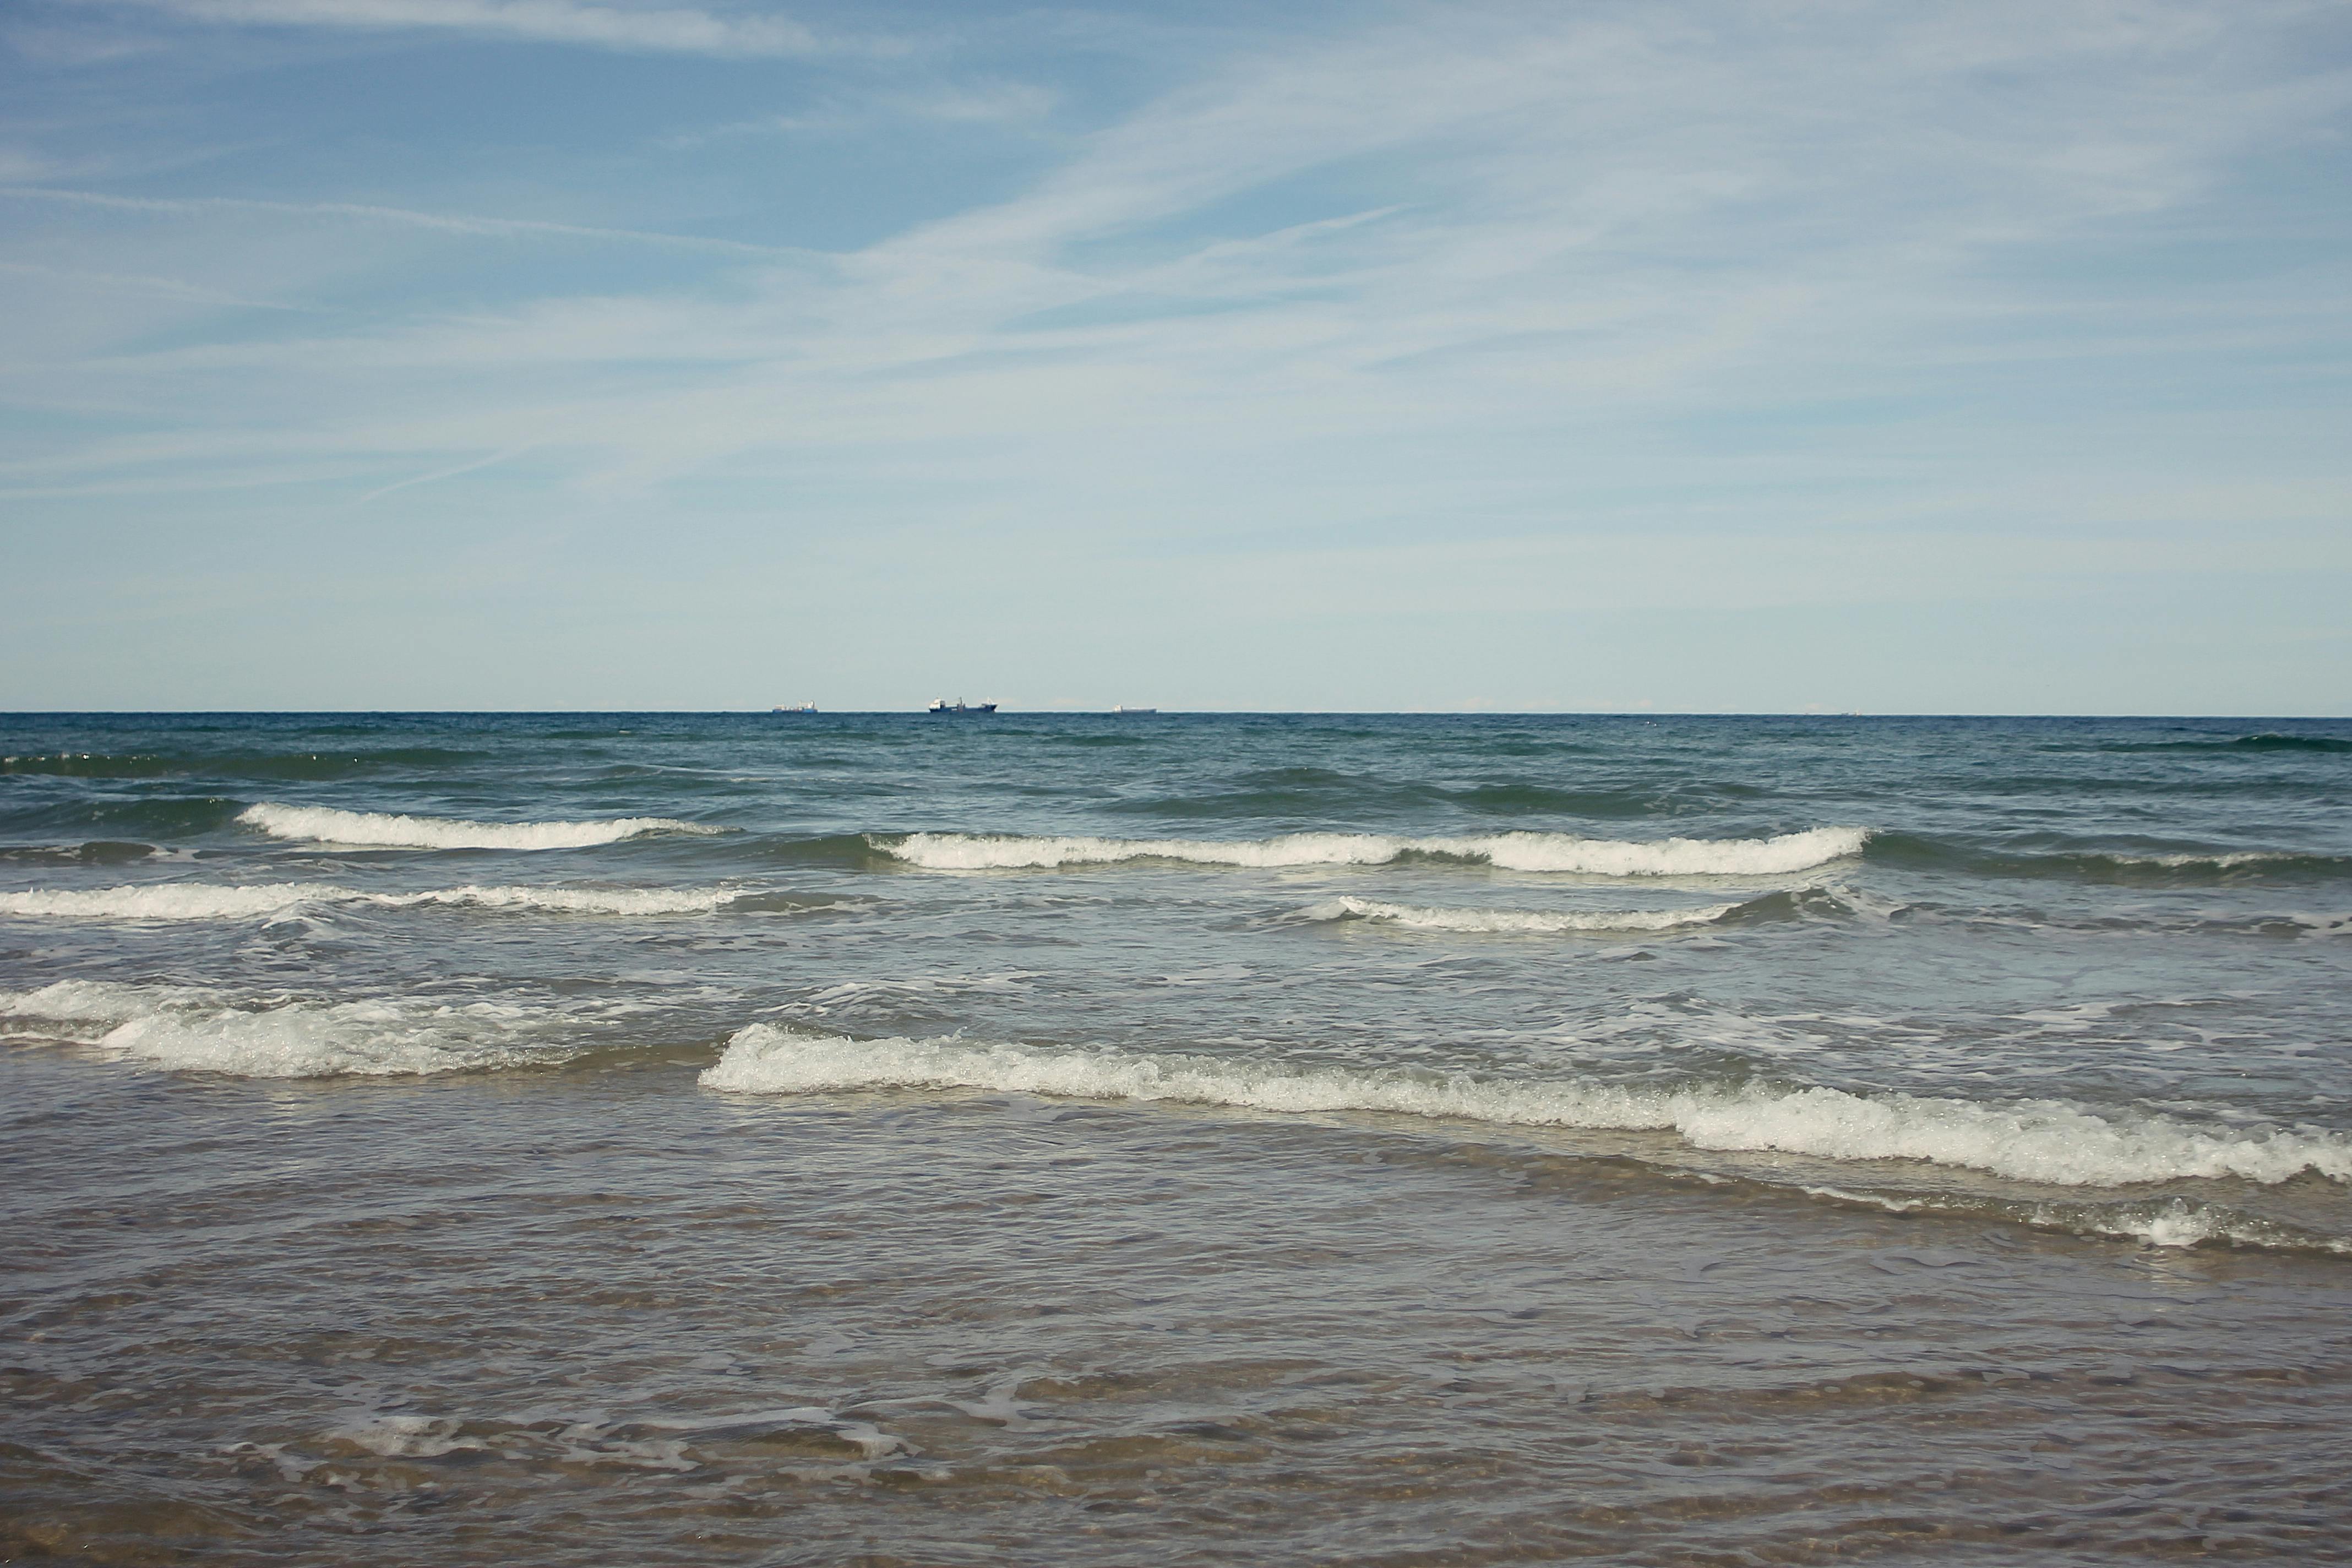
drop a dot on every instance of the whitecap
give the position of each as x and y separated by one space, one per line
409 1436
167 901
2027 1140
376 830
1518 851
199 1030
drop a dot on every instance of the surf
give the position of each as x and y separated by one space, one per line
195 1030
372 829
1514 851
2043 1140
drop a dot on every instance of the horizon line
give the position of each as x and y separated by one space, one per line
1143 713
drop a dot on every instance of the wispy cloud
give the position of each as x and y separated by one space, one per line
170 288
1476 231
445 223
79 48
654 30
17 164
453 471
993 103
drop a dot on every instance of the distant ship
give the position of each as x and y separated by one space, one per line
960 706
1123 708
794 708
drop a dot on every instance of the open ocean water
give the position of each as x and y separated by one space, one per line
1091 1140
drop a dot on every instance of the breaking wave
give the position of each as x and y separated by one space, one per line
2035 1140
1507 851
208 901
379 829
194 1030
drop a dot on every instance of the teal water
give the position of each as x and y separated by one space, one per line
1695 1000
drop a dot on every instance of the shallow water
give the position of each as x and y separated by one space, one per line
1224 1140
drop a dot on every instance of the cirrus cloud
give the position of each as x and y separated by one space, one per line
654 29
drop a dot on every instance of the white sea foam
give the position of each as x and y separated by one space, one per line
198 1030
1507 851
105 1002
166 901
207 901
2037 1141
579 1442
1526 920
382 830
410 1436
2175 1224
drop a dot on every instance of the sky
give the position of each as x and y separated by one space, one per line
1674 355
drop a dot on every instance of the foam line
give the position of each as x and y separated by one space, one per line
379 829
1507 851
2036 1141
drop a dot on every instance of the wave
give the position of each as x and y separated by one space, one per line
1524 920
1784 905
104 818
207 901
380 830
2159 1221
2280 926
1506 851
2152 868
2040 1141
853 851
96 852
194 1030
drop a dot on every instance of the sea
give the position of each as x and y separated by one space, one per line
1093 1139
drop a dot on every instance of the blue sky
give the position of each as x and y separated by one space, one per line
1690 356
